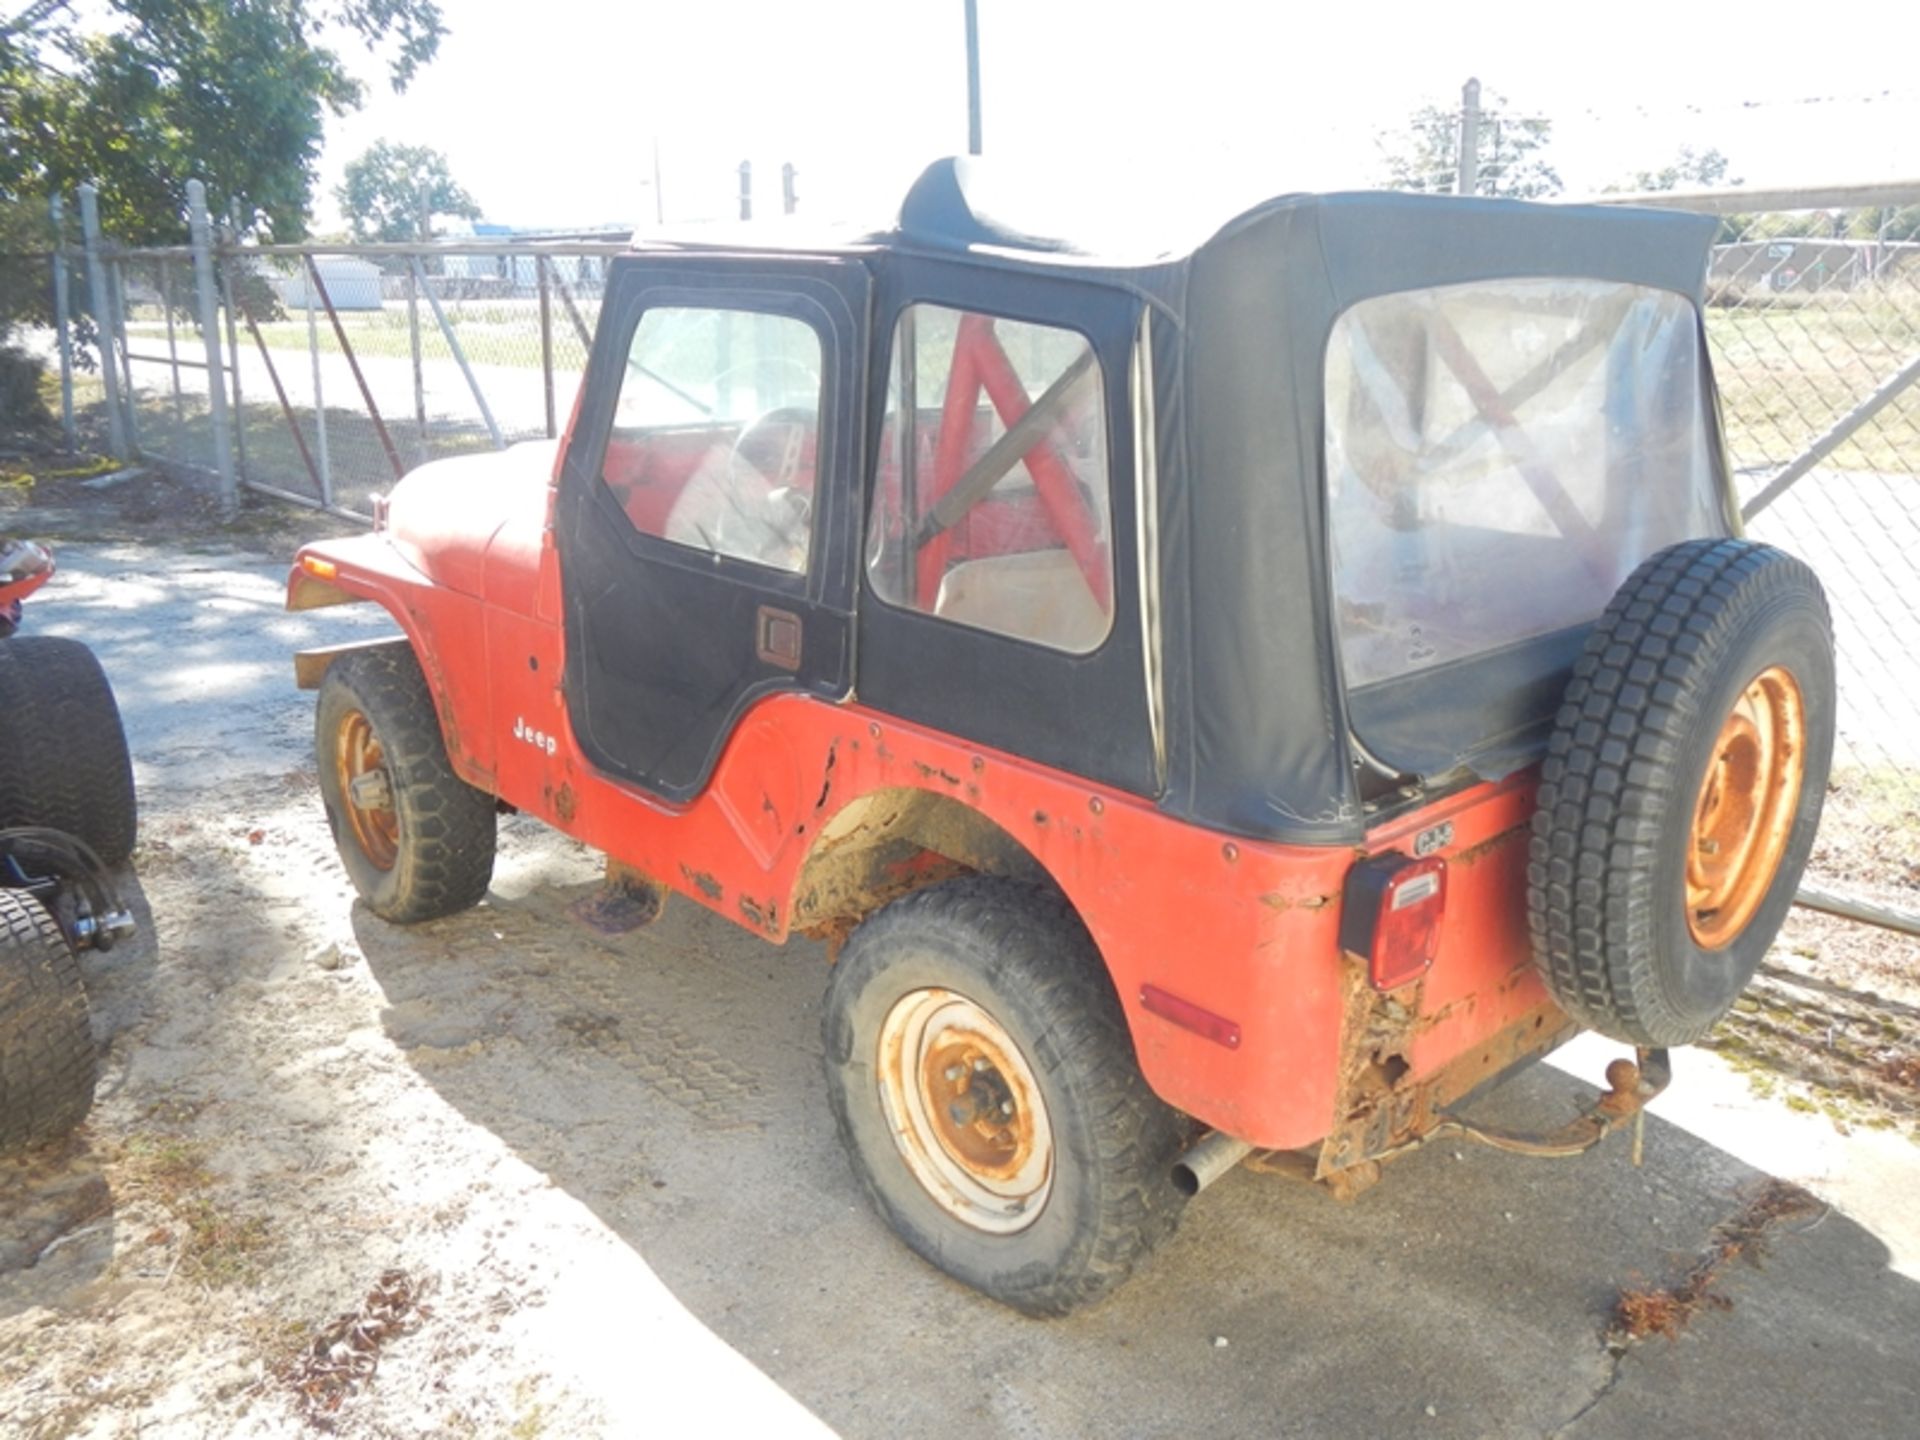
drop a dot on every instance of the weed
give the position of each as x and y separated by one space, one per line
1643 1310
217 1246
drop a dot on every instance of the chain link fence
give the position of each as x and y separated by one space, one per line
345 367
1813 318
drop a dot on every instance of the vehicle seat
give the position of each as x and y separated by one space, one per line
1038 595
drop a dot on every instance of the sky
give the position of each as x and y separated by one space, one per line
549 113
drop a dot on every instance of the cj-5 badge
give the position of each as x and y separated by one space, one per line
539 739
1437 838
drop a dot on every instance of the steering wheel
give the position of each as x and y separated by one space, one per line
768 509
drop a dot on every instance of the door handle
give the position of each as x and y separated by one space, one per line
777 637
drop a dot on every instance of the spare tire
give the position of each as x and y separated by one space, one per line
63 753
1681 789
48 1064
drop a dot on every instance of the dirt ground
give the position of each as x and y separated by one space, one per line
577 1185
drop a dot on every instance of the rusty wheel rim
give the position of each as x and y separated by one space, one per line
1745 809
357 752
965 1110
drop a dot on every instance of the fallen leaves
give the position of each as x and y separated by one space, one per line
343 1357
1642 1311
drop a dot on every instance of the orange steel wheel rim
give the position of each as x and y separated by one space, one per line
1746 807
357 752
966 1111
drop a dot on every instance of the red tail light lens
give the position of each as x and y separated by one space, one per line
1390 916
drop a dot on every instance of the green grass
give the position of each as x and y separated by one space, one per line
1790 367
491 334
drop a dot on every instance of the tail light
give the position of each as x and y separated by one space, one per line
1390 916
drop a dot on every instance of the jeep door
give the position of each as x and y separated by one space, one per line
706 508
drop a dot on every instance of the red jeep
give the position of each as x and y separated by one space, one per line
1243 697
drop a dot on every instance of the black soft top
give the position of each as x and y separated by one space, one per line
1256 716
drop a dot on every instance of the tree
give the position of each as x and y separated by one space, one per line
159 91
1427 158
1885 223
1690 169
391 192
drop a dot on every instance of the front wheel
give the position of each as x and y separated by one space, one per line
417 840
986 1090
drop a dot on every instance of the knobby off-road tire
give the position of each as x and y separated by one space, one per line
48 1064
429 852
63 753
1707 685
1011 966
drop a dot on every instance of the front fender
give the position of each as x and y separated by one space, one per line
431 618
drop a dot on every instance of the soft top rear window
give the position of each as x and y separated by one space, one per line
1501 455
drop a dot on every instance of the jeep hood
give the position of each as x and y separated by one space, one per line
446 517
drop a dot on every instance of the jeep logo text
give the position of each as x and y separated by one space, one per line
539 739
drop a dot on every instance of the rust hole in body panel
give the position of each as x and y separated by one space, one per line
760 917
703 882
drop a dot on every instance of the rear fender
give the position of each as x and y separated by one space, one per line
889 842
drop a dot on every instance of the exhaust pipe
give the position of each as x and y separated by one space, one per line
1207 1161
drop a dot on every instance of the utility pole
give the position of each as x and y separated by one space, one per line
973 77
789 200
659 204
1468 182
746 189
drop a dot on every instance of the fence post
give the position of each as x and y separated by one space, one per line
58 209
209 298
546 340
1468 182
129 397
173 347
102 320
225 268
419 372
973 77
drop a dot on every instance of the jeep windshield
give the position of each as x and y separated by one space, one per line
1501 455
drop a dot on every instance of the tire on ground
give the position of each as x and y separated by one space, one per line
48 1063
443 848
1019 954
1712 666
63 757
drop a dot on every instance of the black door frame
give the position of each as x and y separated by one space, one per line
1087 714
661 633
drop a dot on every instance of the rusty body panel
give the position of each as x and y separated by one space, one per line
816 812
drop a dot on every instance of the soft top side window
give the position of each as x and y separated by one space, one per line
716 433
990 502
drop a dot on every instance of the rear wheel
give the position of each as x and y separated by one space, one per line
48 1064
417 840
1682 789
63 756
986 1089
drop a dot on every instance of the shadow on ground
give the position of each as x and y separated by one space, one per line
58 1199
670 1081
